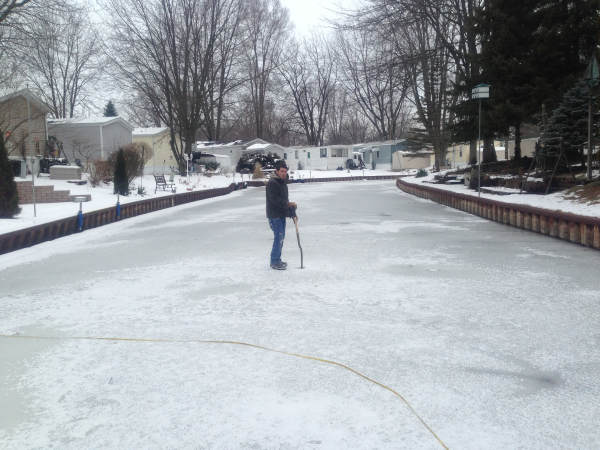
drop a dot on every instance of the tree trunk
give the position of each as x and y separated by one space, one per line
518 142
489 152
473 151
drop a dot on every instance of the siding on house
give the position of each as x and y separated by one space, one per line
91 138
14 124
159 139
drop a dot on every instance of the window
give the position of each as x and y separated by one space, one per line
230 151
285 156
296 154
461 151
37 147
377 154
323 153
308 154
339 152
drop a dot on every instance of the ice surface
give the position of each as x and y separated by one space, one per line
490 332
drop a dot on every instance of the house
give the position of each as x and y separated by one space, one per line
202 158
527 147
276 149
14 124
92 137
421 159
232 149
379 155
159 140
458 154
318 158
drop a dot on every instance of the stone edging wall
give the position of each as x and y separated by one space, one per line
570 227
44 194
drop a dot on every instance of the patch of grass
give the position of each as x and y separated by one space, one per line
590 193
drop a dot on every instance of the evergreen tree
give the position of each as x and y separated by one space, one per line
9 196
110 110
121 180
570 121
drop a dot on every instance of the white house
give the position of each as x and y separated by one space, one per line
202 157
318 158
232 149
92 137
266 148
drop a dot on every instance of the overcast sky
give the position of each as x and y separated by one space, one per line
311 13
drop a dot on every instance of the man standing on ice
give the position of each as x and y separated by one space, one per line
277 211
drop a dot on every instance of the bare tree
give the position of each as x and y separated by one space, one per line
225 76
164 49
267 28
61 53
377 81
310 75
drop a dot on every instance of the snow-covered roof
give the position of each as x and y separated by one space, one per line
258 146
149 131
97 120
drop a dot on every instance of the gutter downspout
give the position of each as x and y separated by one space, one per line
101 144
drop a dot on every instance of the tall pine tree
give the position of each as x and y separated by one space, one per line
121 180
9 196
110 110
570 121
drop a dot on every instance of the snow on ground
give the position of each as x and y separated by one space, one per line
103 197
489 332
558 201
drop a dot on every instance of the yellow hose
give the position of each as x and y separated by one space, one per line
238 343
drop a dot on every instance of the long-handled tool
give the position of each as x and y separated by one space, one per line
295 218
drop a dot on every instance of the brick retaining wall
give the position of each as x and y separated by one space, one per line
44 194
581 230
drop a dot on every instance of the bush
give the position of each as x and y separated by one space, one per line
9 196
101 172
266 160
136 156
211 165
421 173
121 179
258 174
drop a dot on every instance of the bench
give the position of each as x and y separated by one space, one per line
162 183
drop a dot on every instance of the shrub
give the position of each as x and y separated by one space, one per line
9 196
101 172
421 173
258 174
121 179
266 160
211 165
136 156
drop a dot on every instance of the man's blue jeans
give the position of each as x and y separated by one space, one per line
278 227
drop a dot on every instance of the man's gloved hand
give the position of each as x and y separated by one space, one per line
292 204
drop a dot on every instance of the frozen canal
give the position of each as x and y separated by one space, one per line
489 332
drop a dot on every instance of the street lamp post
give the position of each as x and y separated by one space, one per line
479 92
591 76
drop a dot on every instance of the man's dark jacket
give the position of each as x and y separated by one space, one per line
277 198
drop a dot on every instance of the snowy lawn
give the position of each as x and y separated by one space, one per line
559 201
489 332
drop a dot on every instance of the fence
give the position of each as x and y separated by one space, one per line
570 227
